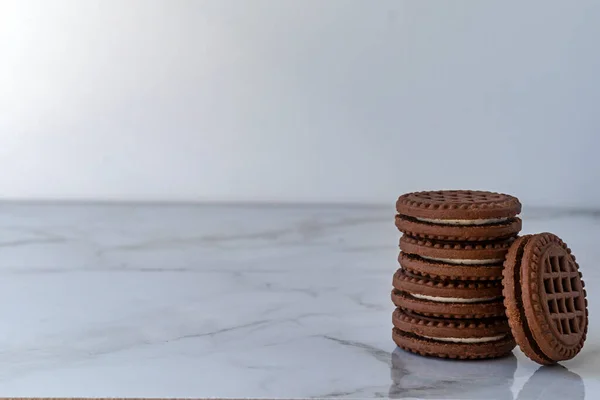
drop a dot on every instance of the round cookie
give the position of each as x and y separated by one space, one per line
463 253
474 232
418 265
458 204
462 351
483 309
446 291
545 298
452 331
450 347
462 215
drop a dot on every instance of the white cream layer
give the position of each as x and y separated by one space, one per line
452 299
465 261
466 340
461 222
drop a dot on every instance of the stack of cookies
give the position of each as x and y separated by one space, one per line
448 291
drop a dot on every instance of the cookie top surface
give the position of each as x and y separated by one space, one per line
545 298
458 204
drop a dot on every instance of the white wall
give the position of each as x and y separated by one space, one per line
336 100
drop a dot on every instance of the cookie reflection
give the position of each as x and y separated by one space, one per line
432 378
553 383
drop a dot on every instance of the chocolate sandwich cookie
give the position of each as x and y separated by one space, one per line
464 339
446 291
462 351
545 298
481 309
418 265
461 253
459 215
446 330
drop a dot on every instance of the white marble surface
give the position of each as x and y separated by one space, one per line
239 301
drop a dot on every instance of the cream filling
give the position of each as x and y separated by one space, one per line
466 340
461 222
465 261
452 299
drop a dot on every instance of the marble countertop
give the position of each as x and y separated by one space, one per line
240 301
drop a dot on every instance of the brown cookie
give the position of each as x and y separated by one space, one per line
484 309
446 291
458 205
459 230
418 265
457 252
449 330
463 215
545 298
428 347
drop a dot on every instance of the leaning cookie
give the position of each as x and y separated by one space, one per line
545 299
465 339
459 215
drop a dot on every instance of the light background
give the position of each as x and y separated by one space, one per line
299 100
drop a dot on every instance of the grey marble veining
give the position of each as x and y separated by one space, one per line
239 301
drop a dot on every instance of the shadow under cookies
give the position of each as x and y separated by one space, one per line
433 378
